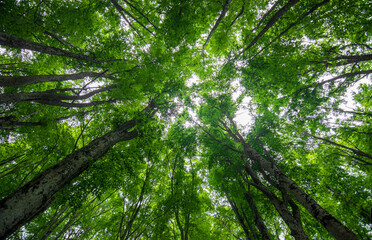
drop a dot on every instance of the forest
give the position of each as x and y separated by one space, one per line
186 119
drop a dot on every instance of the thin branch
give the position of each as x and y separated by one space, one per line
222 15
238 16
131 5
121 10
355 151
262 19
347 75
271 22
292 25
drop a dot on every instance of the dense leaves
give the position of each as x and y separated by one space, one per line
152 99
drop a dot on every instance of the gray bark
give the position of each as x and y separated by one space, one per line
33 198
334 227
6 81
293 220
16 42
47 96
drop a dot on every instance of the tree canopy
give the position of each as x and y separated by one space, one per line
185 119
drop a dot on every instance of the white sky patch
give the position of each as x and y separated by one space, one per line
124 24
193 80
349 103
146 48
242 116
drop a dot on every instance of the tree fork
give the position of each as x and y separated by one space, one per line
334 227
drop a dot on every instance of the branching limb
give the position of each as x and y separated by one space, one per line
222 15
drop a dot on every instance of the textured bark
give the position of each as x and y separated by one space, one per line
33 198
48 95
6 81
16 42
334 227
293 220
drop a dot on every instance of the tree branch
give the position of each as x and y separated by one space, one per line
222 15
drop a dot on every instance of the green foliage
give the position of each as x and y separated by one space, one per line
184 176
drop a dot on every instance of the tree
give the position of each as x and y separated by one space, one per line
120 119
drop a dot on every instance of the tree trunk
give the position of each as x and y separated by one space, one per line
260 224
10 81
48 95
334 227
238 216
33 198
16 42
293 221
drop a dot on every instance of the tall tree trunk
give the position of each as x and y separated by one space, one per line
238 216
16 42
260 224
48 95
334 227
293 220
10 81
33 198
